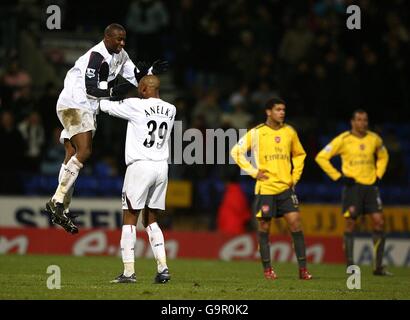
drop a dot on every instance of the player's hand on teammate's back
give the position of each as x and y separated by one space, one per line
117 98
347 181
120 91
159 66
261 175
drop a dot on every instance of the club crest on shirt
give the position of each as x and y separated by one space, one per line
362 147
90 73
277 139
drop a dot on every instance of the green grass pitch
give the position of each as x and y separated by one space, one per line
25 277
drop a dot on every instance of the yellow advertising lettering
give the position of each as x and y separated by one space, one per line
328 220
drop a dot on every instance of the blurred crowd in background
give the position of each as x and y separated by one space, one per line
227 58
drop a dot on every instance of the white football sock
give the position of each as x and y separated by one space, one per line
156 239
70 174
61 172
128 240
69 194
67 199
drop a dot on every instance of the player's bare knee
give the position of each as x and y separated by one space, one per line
263 225
83 154
152 216
130 217
349 228
87 152
295 226
379 225
350 225
67 158
69 150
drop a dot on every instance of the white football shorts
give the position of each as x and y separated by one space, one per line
63 136
76 121
145 183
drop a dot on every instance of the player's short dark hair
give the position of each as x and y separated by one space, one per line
357 111
273 101
113 26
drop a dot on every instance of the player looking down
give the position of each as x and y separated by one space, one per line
279 158
364 162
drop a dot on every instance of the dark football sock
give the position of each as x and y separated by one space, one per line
348 240
264 248
379 240
300 248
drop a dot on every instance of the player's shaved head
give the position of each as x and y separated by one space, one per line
150 81
148 87
110 30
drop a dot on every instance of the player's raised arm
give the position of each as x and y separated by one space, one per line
324 156
298 158
239 150
129 72
382 158
134 73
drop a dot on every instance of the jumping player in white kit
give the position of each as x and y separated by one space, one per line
84 85
150 121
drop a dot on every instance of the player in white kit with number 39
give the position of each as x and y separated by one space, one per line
150 122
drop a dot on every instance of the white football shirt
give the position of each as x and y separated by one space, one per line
150 122
74 94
